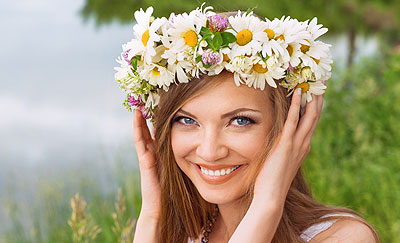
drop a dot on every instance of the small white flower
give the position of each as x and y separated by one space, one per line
293 33
240 66
249 34
157 75
184 31
264 72
270 45
145 35
318 59
315 29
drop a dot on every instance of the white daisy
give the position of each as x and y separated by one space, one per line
270 46
293 33
264 72
240 66
184 31
157 75
308 88
248 33
318 59
124 71
145 35
304 78
315 29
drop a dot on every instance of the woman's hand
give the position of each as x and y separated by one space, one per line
276 175
146 228
289 151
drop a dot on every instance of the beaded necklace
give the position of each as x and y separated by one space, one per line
210 223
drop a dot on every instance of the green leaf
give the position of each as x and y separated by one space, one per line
264 58
198 58
249 10
228 38
134 63
217 41
207 36
210 43
205 31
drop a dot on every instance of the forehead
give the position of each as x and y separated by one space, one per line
226 96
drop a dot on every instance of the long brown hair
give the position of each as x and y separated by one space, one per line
184 212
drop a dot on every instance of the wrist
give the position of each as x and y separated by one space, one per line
267 206
149 215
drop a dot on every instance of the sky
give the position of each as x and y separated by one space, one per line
56 85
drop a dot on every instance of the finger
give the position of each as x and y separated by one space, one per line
293 115
140 134
304 155
311 132
307 121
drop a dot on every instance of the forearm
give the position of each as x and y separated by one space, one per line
259 224
146 229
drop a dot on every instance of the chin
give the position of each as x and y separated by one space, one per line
221 195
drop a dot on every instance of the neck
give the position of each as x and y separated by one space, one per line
230 215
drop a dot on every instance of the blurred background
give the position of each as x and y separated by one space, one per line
68 169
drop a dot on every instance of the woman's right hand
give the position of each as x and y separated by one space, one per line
146 152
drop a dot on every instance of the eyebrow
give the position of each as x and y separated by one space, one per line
231 113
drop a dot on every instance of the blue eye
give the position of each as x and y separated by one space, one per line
242 121
184 120
187 120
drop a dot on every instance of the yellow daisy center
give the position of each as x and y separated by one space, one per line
226 58
244 37
270 33
280 37
289 48
315 60
304 48
259 68
145 37
304 87
191 38
155 71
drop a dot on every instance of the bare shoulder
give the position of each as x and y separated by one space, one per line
346 230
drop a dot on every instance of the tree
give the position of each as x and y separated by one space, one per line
341 16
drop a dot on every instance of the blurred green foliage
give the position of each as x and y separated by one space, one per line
339 16
355 156
354 162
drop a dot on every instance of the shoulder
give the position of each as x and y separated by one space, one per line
346 230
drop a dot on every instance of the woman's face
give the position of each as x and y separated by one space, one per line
218 135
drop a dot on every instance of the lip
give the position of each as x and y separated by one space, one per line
214 180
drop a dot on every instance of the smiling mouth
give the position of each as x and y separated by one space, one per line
218 176
221 172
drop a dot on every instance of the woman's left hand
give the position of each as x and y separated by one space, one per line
278 171
289 151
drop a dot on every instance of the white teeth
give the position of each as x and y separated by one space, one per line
218 172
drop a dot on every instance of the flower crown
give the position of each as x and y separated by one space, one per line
175 50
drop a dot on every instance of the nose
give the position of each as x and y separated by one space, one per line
211 146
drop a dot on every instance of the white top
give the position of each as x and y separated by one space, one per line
315 229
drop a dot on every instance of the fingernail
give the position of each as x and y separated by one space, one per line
298 91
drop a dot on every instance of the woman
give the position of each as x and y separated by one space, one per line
224 164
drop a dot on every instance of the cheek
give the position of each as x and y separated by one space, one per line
248 145
182 143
